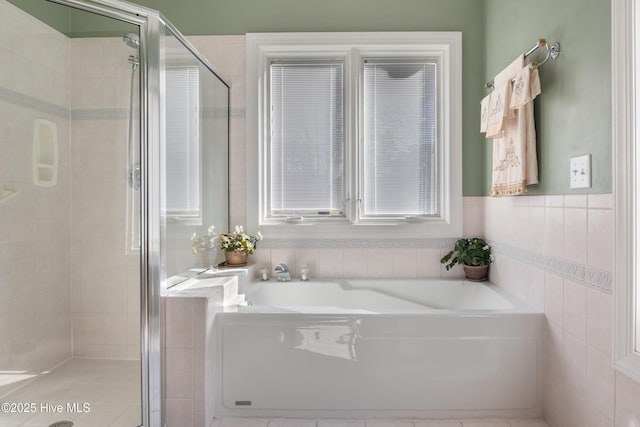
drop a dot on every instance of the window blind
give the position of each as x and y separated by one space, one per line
400 166
182 141
306 146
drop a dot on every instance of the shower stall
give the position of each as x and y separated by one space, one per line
109 116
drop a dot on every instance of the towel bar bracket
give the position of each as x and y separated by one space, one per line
554 51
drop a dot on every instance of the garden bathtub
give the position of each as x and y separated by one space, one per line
378 348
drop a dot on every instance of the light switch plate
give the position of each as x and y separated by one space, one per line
580 172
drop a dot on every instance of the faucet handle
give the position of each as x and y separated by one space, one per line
304 273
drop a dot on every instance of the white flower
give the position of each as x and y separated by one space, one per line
211 229
259 235
486 247
239 229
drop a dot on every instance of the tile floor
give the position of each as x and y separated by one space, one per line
111 388
254 422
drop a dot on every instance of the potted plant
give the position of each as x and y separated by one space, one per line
474 254
238 245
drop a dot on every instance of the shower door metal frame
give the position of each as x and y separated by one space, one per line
151 25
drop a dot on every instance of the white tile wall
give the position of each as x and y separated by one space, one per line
105 279
186 337
582 388
35 278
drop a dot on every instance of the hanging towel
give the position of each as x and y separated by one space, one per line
499 110
484 112
526 87
515 163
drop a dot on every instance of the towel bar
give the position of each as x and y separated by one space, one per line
553 52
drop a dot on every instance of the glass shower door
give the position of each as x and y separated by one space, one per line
69 212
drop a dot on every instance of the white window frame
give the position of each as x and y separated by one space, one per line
447 46
626 136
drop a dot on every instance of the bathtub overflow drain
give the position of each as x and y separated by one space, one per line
62 424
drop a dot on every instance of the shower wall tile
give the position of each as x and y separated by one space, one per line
35 276
105 276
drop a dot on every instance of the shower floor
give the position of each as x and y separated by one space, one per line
88 392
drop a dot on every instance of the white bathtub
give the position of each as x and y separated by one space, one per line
372 348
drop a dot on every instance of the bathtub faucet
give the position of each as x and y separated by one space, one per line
282 273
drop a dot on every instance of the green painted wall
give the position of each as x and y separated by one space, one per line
573 113
85 24
73 22
52 14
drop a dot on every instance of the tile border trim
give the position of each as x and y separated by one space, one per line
592 278
595 279
27 101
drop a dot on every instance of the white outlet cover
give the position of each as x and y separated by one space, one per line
580 172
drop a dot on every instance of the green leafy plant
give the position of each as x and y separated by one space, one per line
471 251
240 241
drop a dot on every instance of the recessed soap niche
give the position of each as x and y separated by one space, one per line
45 153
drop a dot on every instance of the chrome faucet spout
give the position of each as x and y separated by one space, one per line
282 273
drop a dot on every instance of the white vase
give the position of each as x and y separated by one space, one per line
208 259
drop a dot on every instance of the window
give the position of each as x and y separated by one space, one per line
182 143
400 138
306 147
354 134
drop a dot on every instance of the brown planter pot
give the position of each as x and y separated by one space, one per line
236 258
476 273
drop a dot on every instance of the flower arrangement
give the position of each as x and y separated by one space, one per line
204 242
472 251
239 241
